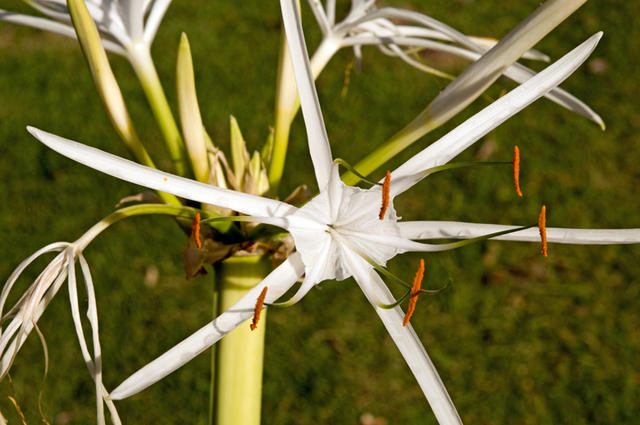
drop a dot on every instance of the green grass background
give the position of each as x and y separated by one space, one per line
517 338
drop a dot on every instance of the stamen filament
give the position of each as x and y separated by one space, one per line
385 195
258 309
352 170
542 226
195 230
516 170
415 291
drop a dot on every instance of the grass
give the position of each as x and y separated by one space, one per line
517 338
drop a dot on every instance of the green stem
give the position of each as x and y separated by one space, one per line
212 361
238 392
142 62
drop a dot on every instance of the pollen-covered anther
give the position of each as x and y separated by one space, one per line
257 310
415 292
516 170
385 195
195 230
542 226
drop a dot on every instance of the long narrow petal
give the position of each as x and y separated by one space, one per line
279 281
316 131
53 247
516 72
53 26
133 16
159 180
321 17
492 116
155 17
77 322
459 230
406 340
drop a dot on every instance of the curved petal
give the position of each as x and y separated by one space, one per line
316 131
460 230
132 12
406 340
155 18
159 180
516 72
467 133
279 281
53 247
53 26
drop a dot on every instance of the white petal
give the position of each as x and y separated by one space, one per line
321 17
278 282
460 230
53 26
132 12
155 18
54 247
159 180
516 72
316 131
52 278
94 367
493 115
407 342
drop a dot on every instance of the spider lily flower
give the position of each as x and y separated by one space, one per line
122 24
337 234
365 24
125 27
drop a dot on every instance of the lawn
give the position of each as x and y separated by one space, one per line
516 337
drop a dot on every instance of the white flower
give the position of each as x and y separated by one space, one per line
338 233
365 24
121 23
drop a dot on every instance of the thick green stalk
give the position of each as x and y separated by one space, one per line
142 62
238 392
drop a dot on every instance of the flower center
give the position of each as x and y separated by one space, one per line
343 218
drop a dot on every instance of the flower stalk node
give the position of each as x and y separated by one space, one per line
258 309
415 292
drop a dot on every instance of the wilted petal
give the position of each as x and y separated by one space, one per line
278 281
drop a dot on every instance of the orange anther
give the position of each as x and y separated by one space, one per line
415 291
542 226
385 195
165 179
195 230
516 169
258 309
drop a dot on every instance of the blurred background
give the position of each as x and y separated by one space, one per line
517 338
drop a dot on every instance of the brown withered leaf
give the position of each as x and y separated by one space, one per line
194 258
299 196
